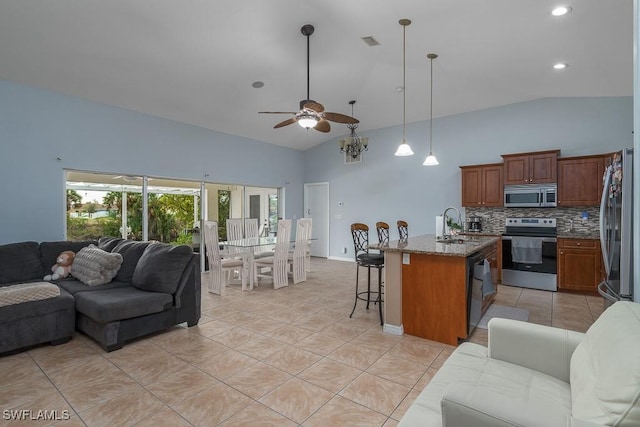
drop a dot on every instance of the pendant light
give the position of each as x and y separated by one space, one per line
431 159
404 149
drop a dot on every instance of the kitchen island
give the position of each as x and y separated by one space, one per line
428 290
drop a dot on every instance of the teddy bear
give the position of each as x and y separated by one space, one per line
62 268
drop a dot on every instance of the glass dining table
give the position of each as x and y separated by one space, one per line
248 247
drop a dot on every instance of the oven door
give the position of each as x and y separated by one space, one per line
536 276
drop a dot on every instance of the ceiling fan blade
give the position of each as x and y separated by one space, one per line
276 112
286 122
323 126
340 118
314 106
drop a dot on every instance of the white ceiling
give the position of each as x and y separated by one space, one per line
194 61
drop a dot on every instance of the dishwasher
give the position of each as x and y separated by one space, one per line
480 284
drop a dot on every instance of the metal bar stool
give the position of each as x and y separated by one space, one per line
360 234
383 233
403 230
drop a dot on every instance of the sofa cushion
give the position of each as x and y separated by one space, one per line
121 303
605 368
93 266
20 262
131 252
49 252
38 308
25 292
73 286
160 267
108 243
511 393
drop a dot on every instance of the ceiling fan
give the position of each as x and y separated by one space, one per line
312 114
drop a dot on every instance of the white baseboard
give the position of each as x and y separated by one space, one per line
337 258
393 329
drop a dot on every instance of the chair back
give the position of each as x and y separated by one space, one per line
403 229
383 232
303 230
212 247
234 229
282 244
301 250
251 228
360 234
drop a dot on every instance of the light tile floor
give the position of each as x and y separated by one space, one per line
271 358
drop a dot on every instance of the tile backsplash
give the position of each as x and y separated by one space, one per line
493 219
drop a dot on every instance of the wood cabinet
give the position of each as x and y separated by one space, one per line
531 168
580 180
579 265
482 185
435 295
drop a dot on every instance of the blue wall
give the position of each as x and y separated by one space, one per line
387 188
37 127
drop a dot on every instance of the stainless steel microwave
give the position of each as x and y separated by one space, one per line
531 196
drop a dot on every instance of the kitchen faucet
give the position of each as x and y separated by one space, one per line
444 222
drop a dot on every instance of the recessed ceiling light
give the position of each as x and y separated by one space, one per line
561 11
257 85
560 66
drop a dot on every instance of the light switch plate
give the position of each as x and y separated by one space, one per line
406 258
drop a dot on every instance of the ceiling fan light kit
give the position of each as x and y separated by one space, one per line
404 149
431 159
311 114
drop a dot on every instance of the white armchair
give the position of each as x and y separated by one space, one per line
533 375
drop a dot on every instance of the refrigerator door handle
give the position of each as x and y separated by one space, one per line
603 206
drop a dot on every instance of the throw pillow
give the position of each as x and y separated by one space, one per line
108 243
160 267
50 251
93 266
20 262
131 252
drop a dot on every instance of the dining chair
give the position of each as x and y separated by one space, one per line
278 263
383 232
251 230
234 229
403 229
360 234
220 269
298 256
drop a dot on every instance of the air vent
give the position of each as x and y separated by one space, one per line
370 41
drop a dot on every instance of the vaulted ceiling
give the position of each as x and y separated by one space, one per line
195 61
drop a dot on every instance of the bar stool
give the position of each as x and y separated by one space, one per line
403 230
360 234
383 233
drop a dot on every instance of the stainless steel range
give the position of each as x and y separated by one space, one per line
529 253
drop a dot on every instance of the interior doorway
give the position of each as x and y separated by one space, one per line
316 206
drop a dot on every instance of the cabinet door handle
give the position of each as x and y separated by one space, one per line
561 252
579 243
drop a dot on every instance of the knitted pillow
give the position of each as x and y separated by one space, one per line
93 266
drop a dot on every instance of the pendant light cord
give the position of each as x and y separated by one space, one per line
404 80
431 112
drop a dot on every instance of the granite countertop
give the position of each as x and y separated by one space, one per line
594 235
426 244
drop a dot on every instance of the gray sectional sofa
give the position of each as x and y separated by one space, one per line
156 286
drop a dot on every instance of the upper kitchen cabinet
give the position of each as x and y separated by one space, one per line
580 180
482 185
531 168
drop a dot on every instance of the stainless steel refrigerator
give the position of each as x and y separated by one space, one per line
616 229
